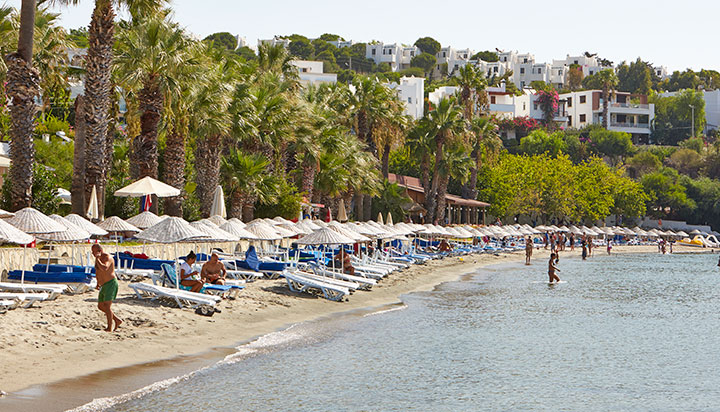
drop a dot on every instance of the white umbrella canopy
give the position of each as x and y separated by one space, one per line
389 220
147 186
85 224
342 213
73 233
347 231
115 224
279 220
33 222
236 229
236 221
144 220
319 223
218 205
218 220
92 210
170 230
262 231
325 236
307 226
5 213
11 234
298 230
682 234
284 232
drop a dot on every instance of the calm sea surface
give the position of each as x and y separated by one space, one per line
625 333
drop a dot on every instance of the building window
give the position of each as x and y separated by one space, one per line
559 72
582 99
492 99
443 54
522 84
504 59
373 52
534 106
591 72
539 71
582 118
576 62
495 69
412 53
456 67
569 100
524 106
522 70
570 121
410 100
525 60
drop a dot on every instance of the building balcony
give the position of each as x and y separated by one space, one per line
630 124
631 105
504 108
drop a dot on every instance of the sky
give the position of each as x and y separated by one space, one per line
675 34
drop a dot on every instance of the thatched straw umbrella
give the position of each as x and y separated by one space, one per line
218 220
71 235
86 225
114 224
33 222
4 214
144 220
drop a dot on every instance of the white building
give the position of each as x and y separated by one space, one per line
661 72
4 160
311 72
411 91
712 108
588 64
628 112
275 41
341 43
397 56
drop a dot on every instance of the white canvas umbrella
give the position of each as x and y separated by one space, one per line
147 186
92 211
380 218
85 224
235 220
213 232
218 205
389 220
347 232
144 220
279 220
342 214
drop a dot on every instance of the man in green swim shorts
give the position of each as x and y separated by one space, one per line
108 285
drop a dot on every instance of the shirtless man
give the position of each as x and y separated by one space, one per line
108 285
528 249
213 271
552 268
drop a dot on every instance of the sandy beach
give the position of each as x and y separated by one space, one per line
64 339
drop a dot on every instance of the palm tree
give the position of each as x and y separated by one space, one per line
483 138
472 89
420 142
22 88
151 53
456 164
446 123
608 81
247 180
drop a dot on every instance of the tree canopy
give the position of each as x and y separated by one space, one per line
428 45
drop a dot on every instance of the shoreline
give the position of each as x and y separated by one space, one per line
162 342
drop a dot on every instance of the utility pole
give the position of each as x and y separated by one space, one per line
692 119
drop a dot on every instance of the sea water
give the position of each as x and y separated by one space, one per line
625 332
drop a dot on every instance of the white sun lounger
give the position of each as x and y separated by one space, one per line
180 297
26 299
7 304
53 289
351 286
299 283
364 282
133 274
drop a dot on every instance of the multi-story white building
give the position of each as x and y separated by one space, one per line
627 112
276 40
311 72
589 64
341 43
661 72
397 56
411 91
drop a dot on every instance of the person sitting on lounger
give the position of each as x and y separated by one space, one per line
444 246
213 271
342 260
188 276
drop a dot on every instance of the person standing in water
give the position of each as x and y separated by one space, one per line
552 268
609 246
584 248
108 285
528 249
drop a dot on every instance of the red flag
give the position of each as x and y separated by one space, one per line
148 203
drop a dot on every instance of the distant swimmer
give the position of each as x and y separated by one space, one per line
552 268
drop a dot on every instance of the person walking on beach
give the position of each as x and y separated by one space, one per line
552 268
528 249
107 284
590 246
572 242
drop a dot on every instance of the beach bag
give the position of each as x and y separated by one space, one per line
205 311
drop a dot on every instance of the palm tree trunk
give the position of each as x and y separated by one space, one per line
22 87
236 204
309 169
470 188
174 171
386 161
98 88
207 163
431 198
467 103
151 102
360 208
606 96
441 202
78 180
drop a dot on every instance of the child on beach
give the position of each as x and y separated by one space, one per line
552 268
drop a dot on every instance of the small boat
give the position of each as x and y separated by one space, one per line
697 241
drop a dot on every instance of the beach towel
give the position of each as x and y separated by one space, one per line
251 258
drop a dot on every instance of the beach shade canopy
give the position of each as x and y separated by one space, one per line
295 229
262 231
92 210
325 236
347 231
696 232
212 232
86 225
73 233
4 214
279 220
236 229
682 234
218 204
33 222
342 214
307 226
115 224
147 186
389 220
170 230
11 234
284 232
235 220
218 220
144 220
380 218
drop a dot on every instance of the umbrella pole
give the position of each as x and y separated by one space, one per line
22 276
177 280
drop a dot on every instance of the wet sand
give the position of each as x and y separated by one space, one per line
56 356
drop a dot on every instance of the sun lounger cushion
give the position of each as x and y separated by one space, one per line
135 263
51 277
39 267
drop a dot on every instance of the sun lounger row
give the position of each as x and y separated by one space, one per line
181 297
